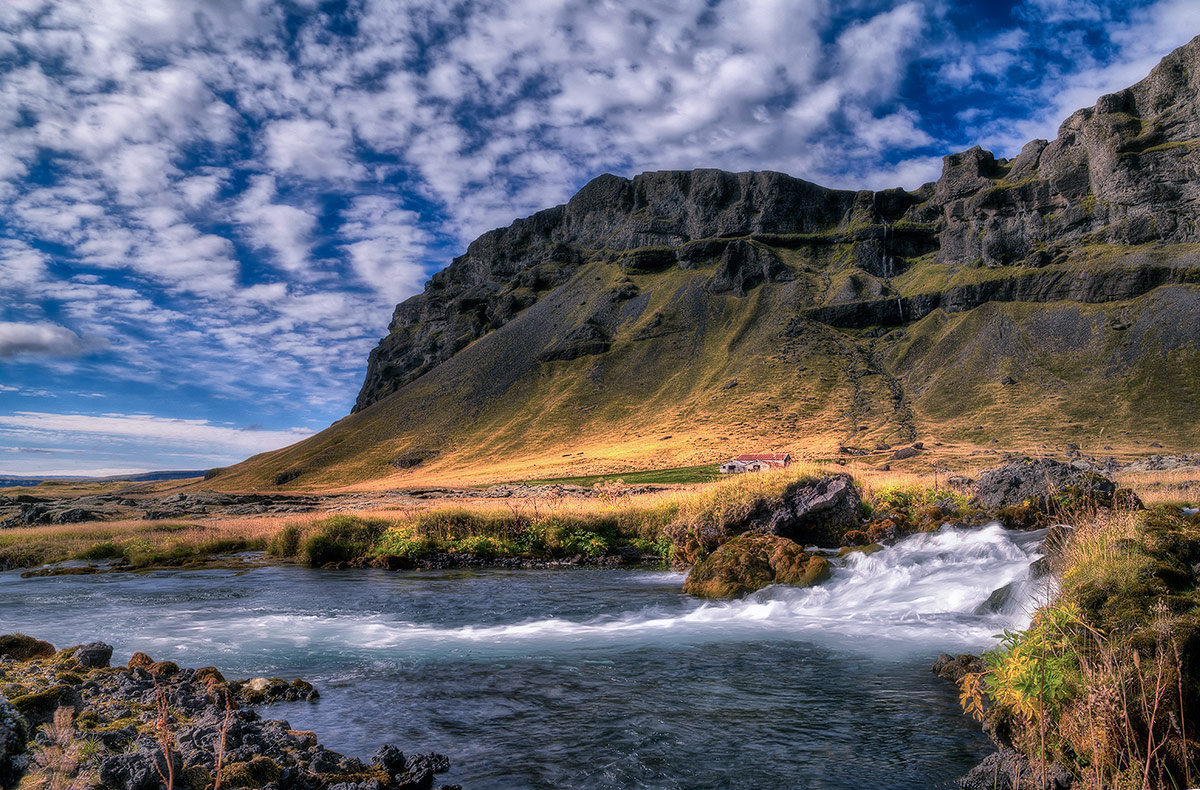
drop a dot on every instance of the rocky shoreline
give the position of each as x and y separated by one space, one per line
69 719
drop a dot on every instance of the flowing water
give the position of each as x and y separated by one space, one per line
591 678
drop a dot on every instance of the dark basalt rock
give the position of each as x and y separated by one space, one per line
812 513
94 655
744 266
1041 486
1008 769
14 732
953 668
117 710
582 341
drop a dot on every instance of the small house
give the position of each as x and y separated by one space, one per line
756 462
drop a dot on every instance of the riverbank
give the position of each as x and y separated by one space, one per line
1103 689
70 720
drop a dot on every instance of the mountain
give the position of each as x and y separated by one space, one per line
676 317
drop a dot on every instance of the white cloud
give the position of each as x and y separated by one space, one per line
386 245
145 427
284 229
311 148
42 339
21 266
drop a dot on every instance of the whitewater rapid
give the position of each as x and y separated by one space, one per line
931 589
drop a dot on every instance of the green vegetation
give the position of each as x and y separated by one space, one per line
683 526
1104 682
684 475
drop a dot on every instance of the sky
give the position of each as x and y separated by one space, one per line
209 208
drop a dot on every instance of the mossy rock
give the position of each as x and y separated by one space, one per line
255 773
139 661
750 562
868 549
20 647
210 675
39 707
163 669
195 777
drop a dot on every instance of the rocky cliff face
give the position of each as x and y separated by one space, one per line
1124 172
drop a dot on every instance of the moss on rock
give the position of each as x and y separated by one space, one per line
750 562
20 647
39 707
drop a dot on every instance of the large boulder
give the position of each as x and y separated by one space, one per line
1029 492
813 513
14 732
750 562
94 655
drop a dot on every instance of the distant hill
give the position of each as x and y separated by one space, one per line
144 477
679 317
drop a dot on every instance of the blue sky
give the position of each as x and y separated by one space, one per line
210 207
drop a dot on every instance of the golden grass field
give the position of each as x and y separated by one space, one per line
175 540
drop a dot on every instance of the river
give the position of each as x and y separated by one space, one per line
590 678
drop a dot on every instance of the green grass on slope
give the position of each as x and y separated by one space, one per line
683 475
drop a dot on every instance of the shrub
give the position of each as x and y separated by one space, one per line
105 550
285 542
340 539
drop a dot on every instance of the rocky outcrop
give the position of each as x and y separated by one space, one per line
750 562
1029 492
812 512
214 739
1008 769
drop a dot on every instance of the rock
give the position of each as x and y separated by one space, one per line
750 562
140 661
390 760
809 512
14 732
94 655
114 704
38 707
1026 492
19 647
953 668
905 452
139 769
1007 769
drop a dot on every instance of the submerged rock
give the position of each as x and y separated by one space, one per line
750 562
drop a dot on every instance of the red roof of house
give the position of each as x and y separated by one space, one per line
764 457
